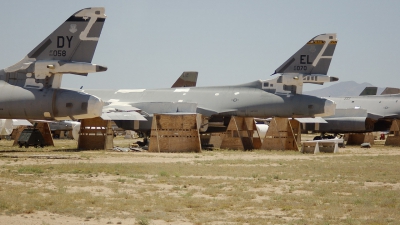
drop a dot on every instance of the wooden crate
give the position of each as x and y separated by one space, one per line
358 139
95 133
282 134
44 129
393 139
175 133
239 133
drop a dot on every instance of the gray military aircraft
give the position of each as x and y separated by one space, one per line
30 89
279 97
360 114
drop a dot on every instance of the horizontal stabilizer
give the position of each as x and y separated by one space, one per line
41 69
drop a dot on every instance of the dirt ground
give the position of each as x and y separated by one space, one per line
25 157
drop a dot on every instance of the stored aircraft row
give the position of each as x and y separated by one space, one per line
30 89
279 97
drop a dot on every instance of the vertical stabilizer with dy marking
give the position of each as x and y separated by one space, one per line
75 40
69 49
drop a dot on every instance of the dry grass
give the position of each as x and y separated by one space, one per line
219 187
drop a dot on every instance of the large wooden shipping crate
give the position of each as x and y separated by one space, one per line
394 138
359 138
95 133
44 129
239 134
175 133
282 134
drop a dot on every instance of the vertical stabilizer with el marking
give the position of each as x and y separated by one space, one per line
313 58
69 49
187 79
310 64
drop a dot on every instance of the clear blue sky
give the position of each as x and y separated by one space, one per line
147 44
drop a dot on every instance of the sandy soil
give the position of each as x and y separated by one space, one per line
40 217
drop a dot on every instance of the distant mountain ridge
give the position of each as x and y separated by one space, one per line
345 88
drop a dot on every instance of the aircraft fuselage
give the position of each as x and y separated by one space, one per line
360 114
230 100
212 101
48 103
378 106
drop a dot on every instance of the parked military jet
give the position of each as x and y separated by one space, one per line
279 97
359 114
30 89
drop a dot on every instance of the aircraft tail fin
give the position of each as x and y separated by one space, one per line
369 91
313 58
390 90
75 40
187 79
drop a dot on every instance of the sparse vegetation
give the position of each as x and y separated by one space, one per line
143 221
220 186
